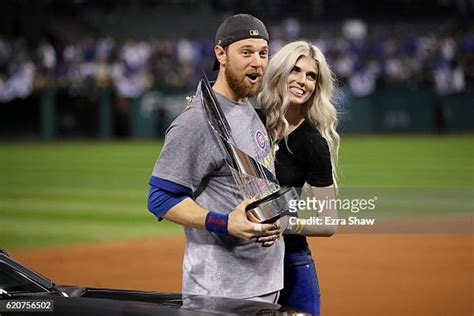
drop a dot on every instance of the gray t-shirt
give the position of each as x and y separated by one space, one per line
216 264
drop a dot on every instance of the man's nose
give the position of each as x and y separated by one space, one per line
256 60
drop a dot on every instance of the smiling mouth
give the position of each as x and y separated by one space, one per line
297 91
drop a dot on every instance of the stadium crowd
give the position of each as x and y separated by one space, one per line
360 59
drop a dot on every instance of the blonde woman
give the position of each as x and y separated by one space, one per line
301 122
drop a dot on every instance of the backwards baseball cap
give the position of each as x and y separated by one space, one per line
239 27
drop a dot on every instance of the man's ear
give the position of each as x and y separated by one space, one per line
220 54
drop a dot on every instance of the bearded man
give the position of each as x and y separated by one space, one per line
192 185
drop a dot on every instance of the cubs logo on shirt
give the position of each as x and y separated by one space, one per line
260 140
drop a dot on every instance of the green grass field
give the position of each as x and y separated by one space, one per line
75 192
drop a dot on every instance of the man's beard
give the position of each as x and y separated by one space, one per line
241 87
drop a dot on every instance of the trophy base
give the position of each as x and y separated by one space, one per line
272 207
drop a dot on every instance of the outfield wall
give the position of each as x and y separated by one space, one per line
403 109
55 114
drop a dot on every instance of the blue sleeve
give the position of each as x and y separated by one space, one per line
164 194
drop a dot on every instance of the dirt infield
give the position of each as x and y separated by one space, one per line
371 274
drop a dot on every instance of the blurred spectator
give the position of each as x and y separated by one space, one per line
362 56
46 56
19 83
354 30
362 81
135 54
292 29
448 77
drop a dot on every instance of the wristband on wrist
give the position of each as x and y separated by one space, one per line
217 222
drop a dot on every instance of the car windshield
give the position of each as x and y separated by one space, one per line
12 281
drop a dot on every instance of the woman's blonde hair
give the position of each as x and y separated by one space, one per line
318 110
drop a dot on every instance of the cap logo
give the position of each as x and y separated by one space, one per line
253 32
219 42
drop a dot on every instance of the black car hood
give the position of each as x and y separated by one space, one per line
106 302
218 305
73 300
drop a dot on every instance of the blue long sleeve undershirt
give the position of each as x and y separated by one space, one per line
164 194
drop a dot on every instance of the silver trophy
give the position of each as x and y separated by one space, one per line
252 178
